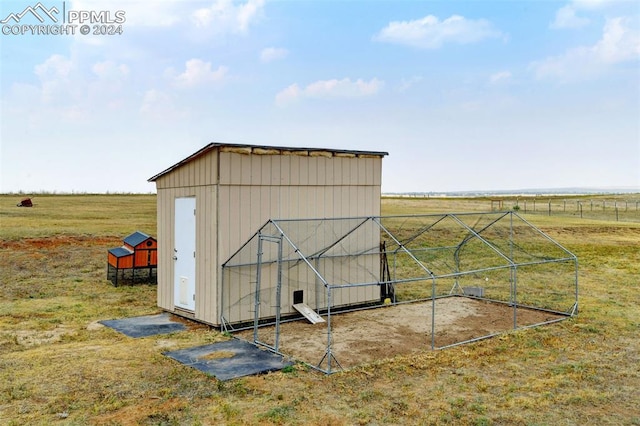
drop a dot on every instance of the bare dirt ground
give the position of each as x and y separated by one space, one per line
370 335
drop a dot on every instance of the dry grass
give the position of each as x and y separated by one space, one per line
57 365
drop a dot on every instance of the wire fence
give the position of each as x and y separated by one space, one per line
598 209
615 208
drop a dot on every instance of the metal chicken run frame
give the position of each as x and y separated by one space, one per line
377 261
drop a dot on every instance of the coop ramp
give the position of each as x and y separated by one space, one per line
308 313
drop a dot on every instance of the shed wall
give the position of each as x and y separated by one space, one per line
236 195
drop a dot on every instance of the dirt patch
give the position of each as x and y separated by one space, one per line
374 334
148 411
26 244
217 355
30 338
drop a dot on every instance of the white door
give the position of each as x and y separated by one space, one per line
184 254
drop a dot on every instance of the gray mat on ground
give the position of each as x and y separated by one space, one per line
230 359
145 326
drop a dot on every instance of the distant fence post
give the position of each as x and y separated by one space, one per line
549 207
616 213
580 204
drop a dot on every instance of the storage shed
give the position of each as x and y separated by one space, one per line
213 202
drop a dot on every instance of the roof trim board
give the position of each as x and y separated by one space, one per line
270 150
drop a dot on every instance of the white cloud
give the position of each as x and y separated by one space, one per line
288 95
54 75
431 33
620 42
566 18
56 66
590 4
500 77
271 54
158 105
406 84
226 15
109 70
330 89
197 72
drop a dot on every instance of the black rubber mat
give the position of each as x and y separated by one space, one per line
230 359
145 326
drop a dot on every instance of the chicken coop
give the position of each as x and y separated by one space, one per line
136 261
212 202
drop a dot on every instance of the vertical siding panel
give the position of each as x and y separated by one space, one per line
291 208
265 169
327 171
192 173
280 209
202 176
362 170
165 244
347 171
201 255
258 207
323 164
275 203
246 229
312 167
371 171
336 201
225 168
225 224
274 166
303 207
246 169
337 170
258 168
362 200
285 170
235 169
164 241
209 297
344 202
328 201
352 171
213 167
303 176
216 279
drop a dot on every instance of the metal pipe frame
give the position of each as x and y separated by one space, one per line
329 356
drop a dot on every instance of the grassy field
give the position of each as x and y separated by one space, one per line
59 366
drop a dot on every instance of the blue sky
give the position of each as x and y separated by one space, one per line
464 95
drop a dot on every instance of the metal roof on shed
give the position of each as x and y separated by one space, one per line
216 145
120 251
136 238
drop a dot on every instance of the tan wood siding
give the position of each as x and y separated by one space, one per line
237 194
200 171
